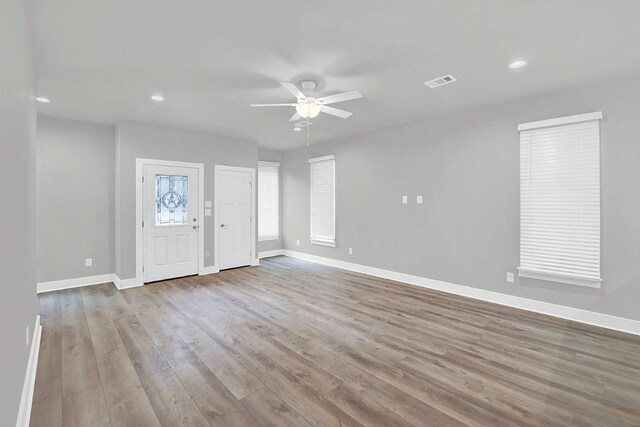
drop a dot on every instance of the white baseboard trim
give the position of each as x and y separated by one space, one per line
24 411
209 270
77 282
58 285
125 283
267 254
578 315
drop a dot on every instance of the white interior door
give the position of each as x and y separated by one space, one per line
235 213
171 225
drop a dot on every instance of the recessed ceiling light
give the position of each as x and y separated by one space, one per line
518 64
297 129
158 98
43 100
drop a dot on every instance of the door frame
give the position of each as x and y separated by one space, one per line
216 206
140 163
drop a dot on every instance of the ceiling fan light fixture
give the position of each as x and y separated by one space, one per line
308 110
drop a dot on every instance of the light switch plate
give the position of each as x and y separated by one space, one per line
419 199
88 262
207 203
350 251
404 200
297 242
510 277
207 212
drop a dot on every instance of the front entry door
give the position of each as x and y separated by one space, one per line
235 213
171 224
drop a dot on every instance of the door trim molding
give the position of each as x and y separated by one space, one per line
216 215
140 163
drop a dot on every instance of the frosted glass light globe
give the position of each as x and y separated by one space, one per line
308 110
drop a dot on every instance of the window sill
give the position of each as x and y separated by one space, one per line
330 243
266 239
569 280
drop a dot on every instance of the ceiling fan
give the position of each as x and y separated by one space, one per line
308 107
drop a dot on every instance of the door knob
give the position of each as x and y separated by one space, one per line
195 227
221 225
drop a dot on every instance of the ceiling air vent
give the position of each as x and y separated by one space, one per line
441 81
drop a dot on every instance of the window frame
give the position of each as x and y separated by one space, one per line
319 240
555 276
268 238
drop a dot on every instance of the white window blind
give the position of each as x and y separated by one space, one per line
323 223
560 200
268 201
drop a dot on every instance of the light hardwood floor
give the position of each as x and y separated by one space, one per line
295 343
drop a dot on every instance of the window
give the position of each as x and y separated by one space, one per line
323 213
268 201
171 199
560 200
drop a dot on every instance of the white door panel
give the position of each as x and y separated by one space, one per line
171 224
162 257
183 248
235 213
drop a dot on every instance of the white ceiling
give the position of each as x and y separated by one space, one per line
100 60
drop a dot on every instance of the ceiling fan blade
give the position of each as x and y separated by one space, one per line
336 112
339 97
273 105
293 89
295 117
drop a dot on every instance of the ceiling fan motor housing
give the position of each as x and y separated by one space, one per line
308 85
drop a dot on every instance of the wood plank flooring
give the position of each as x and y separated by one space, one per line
292 343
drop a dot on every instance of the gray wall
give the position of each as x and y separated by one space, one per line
75 197
17 224
465 165
135 140
272 156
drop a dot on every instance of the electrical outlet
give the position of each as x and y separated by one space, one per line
28 336
88 262
404 200
350 251
510 277
207 254
297 242
419 199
